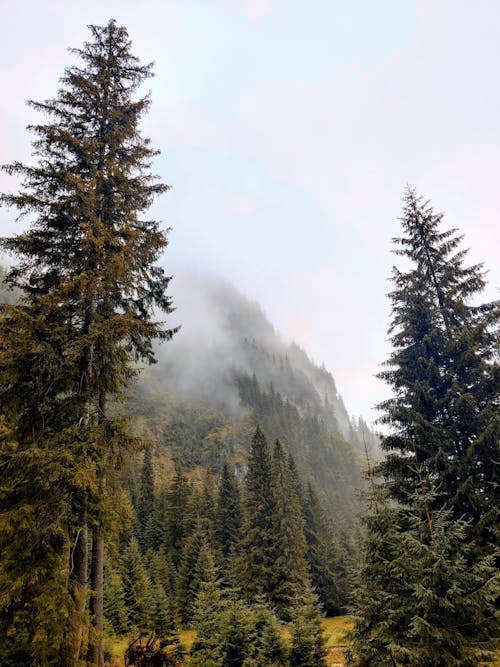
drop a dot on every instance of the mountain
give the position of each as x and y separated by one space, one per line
226 370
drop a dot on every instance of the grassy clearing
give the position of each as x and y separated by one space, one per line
335 629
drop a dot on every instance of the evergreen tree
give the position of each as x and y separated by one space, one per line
207 647
425 595
228 514
444 412
162 616
291 577
115 611
266 645
191 573
258 546
419 601
308 643
327 561
89 285
137 588
146 501
177 518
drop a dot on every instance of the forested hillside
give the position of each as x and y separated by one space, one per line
205 396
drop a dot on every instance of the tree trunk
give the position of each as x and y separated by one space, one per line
78 592
95 655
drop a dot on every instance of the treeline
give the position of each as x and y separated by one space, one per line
267 541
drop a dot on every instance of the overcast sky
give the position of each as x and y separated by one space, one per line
289 130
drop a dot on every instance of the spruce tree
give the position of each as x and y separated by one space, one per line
258 548
191 573
115 611
326 559
89 285
444 412
145 505
308 643
208 606
137 588
419 601
228 514
426 593
177 518
291 577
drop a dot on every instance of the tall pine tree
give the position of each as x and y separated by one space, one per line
426 593
89 284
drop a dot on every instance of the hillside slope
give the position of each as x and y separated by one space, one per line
227 370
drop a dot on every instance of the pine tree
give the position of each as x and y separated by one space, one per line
291 577
137 588
146 501
228 514
162 613
258 546
115 611
308 643
418 600
444 412
89 285
426 595
191 574
325 557
208 606
177 517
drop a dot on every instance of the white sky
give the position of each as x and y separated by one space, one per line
289 130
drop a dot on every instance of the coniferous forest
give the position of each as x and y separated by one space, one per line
218 506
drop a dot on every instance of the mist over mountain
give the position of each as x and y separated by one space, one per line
224 335
228 370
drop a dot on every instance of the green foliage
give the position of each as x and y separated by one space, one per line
115 610
258 548
146 502
421 601
137 588
427 587
88 286
327 559
308 643
444 411
191 573
240 636
228 514
290 568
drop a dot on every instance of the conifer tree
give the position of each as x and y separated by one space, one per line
162 616
207 647
228 514
146 500
327 562
258 546
290 568
426 594
177 518
89 285
191 572
418 600
115 611
444 412
308 643
137 588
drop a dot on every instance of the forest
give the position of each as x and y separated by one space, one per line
211 502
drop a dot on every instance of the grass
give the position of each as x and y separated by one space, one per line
335 629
